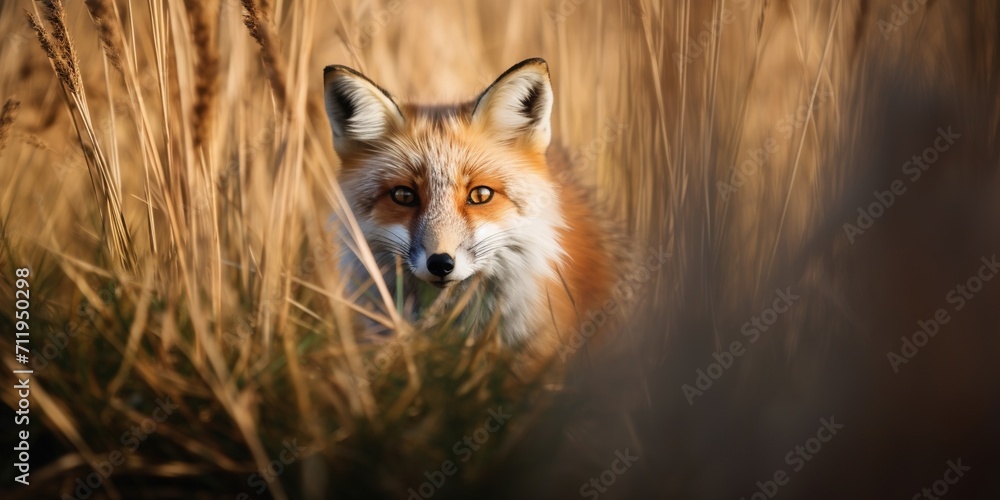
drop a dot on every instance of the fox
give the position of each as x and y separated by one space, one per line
471 198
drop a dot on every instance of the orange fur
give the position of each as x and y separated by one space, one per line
540 247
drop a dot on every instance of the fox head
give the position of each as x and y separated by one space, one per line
454 191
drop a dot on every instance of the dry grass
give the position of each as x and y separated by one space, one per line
7 117
169 180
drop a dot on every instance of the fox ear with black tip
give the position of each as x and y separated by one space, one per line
360 112
517 107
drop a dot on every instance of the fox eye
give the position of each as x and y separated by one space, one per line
480 195
404 196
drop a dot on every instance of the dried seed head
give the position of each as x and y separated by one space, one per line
7 117
108 30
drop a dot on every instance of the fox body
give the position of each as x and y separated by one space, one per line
472 196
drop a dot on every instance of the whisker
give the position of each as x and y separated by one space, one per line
395 237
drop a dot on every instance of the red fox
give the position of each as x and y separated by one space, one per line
471 195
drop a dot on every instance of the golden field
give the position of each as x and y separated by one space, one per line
822 174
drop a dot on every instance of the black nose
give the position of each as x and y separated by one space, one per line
440 264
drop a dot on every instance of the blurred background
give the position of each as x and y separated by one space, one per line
821 173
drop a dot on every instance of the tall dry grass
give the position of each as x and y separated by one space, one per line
169 178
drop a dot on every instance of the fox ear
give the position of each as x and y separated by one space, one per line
359 111
518 105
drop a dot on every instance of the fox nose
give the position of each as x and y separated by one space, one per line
440 264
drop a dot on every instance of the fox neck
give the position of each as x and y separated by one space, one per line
515 285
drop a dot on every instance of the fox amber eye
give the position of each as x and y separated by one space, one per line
480 195
404 196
